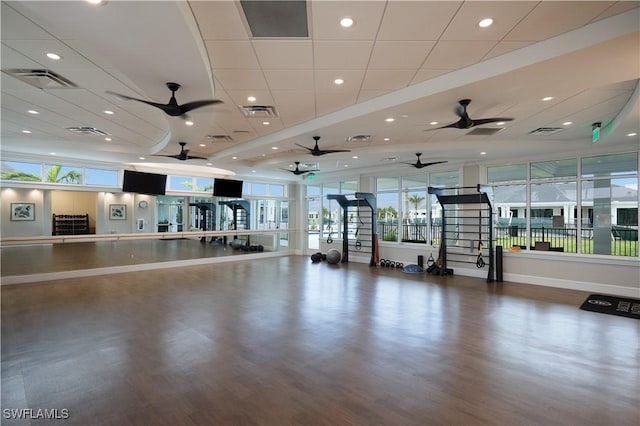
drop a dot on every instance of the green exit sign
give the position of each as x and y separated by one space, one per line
595 132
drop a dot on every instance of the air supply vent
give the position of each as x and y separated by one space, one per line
220 138
41 78
359 138
484 131
88 131
545 131
272 18
258 111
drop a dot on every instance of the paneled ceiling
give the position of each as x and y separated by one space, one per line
410 61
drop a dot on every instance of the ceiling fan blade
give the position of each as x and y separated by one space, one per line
193 157
302 146
154 104
456 125
489 120
330 151
432 163
198 104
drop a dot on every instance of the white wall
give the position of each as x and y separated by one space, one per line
31 228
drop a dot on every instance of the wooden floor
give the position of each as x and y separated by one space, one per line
286 342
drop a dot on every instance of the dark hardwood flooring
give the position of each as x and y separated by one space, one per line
283 341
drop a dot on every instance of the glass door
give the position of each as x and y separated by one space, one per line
170 214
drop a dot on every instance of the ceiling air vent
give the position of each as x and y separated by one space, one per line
484 131
41 78
545 131
258 111
359 138
220 138
88 131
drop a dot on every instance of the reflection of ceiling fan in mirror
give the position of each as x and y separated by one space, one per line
465 121
316 151
299 172
172 108
419 164
183 155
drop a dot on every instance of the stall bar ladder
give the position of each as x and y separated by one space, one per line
362 200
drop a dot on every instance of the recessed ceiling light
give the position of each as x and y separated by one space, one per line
500 123
567 123
274 147
52 153
346 22
355 157
483 153
264 155
108 139
433 123
547 98
54 56
387 139
142 158
26 131
338 81
203 145
266 123
486 22
188 123
96 2
209 164
390 119
234 158
251 98
253 171
346 165
33 111
632 134
108 112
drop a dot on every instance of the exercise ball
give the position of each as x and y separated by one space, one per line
333 256
237 244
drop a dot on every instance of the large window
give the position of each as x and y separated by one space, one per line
546 210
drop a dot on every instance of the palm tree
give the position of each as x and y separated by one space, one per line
16 175
416 200
53 175
196 188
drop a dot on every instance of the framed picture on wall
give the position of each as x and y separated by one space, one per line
117 211
23 211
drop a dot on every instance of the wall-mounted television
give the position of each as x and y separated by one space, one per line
227 188
144 183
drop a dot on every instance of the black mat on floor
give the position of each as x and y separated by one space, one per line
612 305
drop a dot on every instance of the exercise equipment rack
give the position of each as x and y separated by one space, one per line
467 227
361 213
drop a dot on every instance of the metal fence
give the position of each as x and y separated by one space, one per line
624 240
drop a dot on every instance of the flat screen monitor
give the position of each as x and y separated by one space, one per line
144 183
227 188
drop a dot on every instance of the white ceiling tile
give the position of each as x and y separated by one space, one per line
16 27
295 106
400 55
331 97
416 20
289 79
284 54
387 79
505 15
551 18
241 79
231 54
341 55
457 54
239 97
219 20
326 17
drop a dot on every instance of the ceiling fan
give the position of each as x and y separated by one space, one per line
419 164
184 154
467 122
316 151
172 108
298 172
